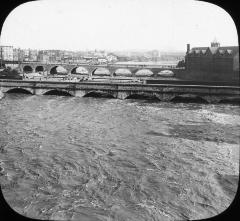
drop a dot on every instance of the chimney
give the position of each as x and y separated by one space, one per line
188 48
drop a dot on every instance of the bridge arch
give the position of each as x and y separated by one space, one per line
99 94
142 96
122 72
101 72
143 73
79 70
58 92
165 73
58 69
230 100
27 69
18 90
189 98
39 68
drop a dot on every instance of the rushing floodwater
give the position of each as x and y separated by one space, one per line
109 159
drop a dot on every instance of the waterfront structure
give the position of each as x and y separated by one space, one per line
164 92
213 59
6 53
9 53
102 60
111 57
92 69
16 54
33 55
43 57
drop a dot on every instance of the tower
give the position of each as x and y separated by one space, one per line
215 44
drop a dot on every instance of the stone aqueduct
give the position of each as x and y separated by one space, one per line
111 70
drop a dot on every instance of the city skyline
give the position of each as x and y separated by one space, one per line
135 25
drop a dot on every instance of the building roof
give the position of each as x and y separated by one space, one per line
197 50
230 49
221 51
215 50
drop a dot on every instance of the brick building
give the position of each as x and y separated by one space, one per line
213 59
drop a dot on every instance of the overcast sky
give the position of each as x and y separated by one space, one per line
117 25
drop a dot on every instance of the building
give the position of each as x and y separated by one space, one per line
172 56
33 55
26 53
153 55
102 60
213 59
111 57
6 53
16 54
43 57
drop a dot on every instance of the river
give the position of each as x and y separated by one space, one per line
71 158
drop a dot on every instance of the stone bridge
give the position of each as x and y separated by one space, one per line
164 92
110 69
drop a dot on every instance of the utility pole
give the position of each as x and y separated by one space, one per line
1 56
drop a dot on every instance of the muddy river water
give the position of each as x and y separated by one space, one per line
70 158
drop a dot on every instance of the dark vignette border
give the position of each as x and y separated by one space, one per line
231 213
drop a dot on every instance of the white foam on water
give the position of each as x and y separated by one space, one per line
221 118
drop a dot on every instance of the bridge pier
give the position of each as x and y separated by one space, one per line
122 95
39 91
164 96
79 93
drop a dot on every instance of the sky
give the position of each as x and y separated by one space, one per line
117 25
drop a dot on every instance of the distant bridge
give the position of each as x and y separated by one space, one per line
91 70
164 92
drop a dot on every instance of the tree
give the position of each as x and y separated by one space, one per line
181 64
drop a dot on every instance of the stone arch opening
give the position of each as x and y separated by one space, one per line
39 69
18 91
165 73
144 73
122 72
79 71
189 99
101 72
27 69
58 70
57 93
98 94
150 97
235 101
